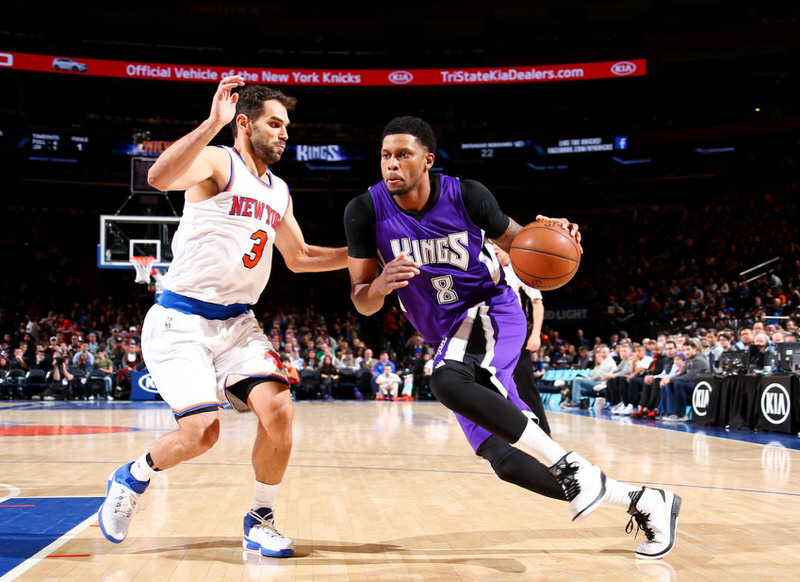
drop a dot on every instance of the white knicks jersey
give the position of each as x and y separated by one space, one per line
222 250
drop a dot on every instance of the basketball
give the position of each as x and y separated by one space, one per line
544 255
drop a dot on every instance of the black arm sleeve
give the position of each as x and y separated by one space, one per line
359 227
483 208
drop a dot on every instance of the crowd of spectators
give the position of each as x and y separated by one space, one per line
325 356
654 377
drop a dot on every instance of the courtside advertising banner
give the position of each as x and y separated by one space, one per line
67 65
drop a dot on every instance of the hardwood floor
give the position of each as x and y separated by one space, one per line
382 491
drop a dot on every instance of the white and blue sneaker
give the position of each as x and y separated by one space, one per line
122 497
260 535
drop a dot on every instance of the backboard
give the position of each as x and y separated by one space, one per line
122 237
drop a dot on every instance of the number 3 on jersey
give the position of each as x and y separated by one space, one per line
250 259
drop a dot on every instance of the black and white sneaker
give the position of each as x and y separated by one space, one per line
655 512
584 484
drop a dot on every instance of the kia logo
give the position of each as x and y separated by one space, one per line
775 403
400 77
146 383
623 68
701 397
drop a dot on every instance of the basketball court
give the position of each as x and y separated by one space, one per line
384 491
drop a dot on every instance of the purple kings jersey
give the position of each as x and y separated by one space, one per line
459 269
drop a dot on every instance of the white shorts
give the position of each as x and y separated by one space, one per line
193 360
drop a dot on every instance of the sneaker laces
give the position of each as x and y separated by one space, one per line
126 504
266 524
566 476
642 519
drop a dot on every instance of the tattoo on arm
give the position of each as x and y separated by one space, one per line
504 241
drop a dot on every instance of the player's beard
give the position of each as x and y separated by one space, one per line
266 149
400 190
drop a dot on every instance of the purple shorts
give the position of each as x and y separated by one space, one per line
490 335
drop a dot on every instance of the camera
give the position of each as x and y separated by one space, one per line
60 361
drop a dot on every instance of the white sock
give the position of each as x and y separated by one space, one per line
535 442
619 494
141 470
264 495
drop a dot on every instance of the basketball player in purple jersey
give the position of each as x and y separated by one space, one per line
427 237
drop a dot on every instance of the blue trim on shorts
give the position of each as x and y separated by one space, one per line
184 304
197 409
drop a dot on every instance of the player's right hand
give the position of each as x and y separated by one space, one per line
223 108
396 273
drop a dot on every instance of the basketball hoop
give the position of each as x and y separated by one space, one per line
143 266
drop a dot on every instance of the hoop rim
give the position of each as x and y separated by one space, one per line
142 264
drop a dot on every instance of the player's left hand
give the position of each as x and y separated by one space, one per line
570 227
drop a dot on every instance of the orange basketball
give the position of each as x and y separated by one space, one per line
544 255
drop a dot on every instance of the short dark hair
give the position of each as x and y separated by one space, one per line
252 98
415 126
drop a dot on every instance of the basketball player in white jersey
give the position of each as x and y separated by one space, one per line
201 343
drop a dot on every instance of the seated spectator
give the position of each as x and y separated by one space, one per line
714 347
759 353
118 351
103 364
348 363
745 339
308 388
726 343
636 383
329 378
92 342
348 381
415 348
79 371
640 362
19 361
388 383
584 359
560 359
378 367
61 382
130 363
614 380
645 390
291 373
42 360
681 385
584 387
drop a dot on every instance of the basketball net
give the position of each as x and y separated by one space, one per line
143 266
